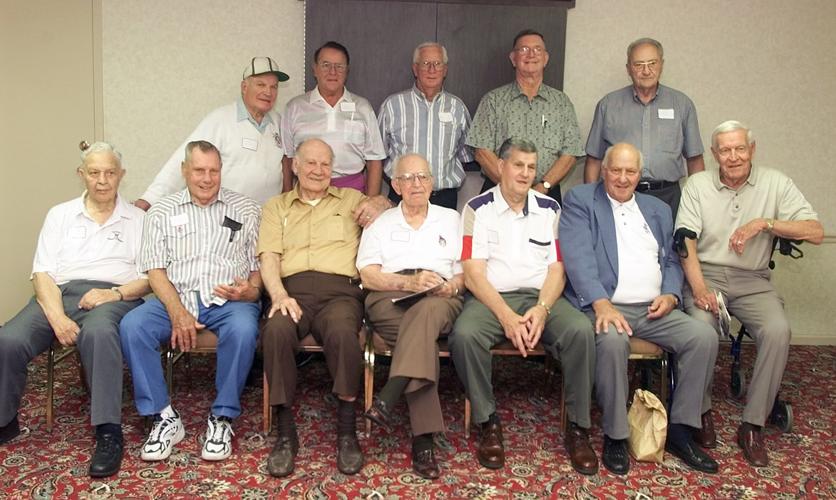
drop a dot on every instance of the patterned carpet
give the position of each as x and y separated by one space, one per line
43 465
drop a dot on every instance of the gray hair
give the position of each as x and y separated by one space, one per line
100 147
400 159
606 161
513 143
645 41
203 146
731 126
426 45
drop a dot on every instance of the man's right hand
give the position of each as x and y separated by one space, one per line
423 280
288 306
184 329
606 314
144 205
66 330
515 330
706 300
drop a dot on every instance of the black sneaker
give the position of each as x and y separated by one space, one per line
108 455
9 431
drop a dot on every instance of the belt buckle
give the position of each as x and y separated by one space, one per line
644 184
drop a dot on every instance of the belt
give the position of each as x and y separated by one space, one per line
410 271
650 185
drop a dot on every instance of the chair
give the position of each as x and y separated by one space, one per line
55 355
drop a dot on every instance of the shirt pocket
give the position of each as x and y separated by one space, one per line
669 135
354 132
539 249
334 228
181 242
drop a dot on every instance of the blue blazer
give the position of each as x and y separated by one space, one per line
590 251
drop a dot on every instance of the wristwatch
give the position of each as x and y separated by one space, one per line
118 292
547 184
770 224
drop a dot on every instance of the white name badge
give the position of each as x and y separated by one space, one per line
666 114
179 220
249 143
400 236
78 232
348 107
445 116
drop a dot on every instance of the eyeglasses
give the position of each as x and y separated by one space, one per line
526 50
426 65
410 177
328 66
651 65
726 152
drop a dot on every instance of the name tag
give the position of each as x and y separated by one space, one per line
248 143
349 107
445 116
78 232
400 236
666 114
179 220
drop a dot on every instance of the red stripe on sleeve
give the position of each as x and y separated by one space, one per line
557 248
467 247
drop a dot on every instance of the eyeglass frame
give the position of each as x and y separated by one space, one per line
410 177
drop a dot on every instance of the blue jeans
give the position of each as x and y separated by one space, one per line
146 327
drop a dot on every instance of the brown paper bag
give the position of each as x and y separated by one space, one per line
648 422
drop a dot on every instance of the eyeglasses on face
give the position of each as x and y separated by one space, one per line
410 177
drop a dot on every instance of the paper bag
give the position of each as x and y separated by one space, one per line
648 423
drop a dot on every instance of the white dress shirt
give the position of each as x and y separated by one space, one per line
639 274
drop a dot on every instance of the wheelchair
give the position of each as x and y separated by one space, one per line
781 415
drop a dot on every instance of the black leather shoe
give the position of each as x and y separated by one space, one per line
424 464
9 431
280 462
615 456
108 455
380 414
581 456
349 454
706 436
688 451
491 452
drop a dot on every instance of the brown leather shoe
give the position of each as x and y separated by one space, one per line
491 452
380 413
580 453
706 436
750 439
280 461
424 464
349 454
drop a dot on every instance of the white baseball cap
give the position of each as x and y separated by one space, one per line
262 65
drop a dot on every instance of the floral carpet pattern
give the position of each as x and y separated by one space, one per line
42 465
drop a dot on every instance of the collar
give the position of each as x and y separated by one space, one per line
184 198
629 205
433 214
543 92
242 113
502 205
751 180
420 95
315 96
121 209
293 195
659 90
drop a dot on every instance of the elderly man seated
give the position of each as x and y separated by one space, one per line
85 279
414 247
623 272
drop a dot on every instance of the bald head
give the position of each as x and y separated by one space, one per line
622 170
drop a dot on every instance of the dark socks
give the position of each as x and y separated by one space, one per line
346 417
103 429
284 419
422 442
391 392
680 433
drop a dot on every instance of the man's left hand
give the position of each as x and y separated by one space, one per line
741 235
540 188
661 306
241 290
535 322
96 297
369 209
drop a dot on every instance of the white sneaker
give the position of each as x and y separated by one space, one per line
218 444
166 432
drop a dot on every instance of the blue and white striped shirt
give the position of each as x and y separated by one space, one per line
201 247
437 130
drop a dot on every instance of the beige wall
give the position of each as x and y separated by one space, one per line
765 62
46 107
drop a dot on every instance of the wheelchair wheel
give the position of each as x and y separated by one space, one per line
738 382
781 416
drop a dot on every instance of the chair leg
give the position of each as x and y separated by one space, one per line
81 373
466 417
50 381
368 376
266 411
169 371
564 418
663 390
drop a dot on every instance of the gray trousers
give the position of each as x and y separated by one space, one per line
29 334
568 336
695 346
753 300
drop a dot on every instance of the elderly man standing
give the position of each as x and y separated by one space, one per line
85 280
513 268
735 213
345 121
659 121
623 272
414 247
308 248
246 132
529 108
198 249
430 121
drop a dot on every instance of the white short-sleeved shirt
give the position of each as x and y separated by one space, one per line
350 128
73 246
639 274
393 244
518 247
